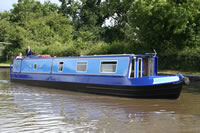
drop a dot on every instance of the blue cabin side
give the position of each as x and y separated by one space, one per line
130 66
91 66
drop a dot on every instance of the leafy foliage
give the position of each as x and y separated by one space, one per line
37 25
164 24
85 27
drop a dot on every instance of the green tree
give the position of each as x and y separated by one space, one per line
28 9
38 25
87 18
84 12
118 10
91 15
162 25
5 26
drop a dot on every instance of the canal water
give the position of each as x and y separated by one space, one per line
28 109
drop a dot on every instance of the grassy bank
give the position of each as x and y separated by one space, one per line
4 64
181 72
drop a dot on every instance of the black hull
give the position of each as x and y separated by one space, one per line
169 91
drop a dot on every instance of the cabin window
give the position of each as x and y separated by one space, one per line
151 67
132 69
81 66
109 66
60 66
35 66
139 67
145 67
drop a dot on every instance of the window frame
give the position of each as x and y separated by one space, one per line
139 67
151 66
59 63
108 61
84 64
35 66
133 64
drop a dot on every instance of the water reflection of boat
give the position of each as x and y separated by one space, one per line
118 75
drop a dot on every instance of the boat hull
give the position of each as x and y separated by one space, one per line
169 91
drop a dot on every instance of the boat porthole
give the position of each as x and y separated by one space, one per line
35 66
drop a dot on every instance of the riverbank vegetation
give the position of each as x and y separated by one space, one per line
87 27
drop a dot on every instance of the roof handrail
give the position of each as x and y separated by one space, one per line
106 54
154 54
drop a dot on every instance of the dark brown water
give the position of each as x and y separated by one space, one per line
27 109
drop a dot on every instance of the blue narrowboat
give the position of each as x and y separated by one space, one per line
118 75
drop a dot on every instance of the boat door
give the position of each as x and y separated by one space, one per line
17 65
151 67
140 67
136 68
132 71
